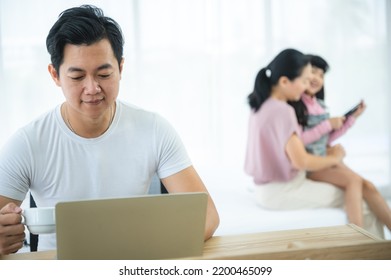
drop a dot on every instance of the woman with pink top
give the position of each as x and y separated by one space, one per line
276 157
319 131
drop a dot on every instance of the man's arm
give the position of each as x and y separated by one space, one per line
188 180
11 229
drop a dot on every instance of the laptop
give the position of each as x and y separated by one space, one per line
164 226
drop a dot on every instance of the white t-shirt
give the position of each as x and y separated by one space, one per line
58 165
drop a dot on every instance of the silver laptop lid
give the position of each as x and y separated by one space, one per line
142 227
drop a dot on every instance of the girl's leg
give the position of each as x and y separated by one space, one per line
351 183
377 203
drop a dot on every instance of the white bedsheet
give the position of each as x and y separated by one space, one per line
232 194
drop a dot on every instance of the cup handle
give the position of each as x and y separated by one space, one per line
23 221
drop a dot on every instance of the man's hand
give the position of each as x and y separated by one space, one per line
11 229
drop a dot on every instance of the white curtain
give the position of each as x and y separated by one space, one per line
194 62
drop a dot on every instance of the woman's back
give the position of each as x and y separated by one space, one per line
269 130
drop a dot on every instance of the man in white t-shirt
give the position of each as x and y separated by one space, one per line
92 145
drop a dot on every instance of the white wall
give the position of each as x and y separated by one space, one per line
194 62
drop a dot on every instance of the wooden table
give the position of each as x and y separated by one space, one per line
338 242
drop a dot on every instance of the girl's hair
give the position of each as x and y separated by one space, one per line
299 106
288 63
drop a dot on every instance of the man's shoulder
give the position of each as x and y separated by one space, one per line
142 116
41 120
131 109
42 123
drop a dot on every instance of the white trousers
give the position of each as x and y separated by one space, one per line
301 193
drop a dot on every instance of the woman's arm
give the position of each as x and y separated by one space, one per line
304 161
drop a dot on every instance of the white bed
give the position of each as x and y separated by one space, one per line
232 192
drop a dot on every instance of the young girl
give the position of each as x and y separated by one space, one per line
319 131
276 157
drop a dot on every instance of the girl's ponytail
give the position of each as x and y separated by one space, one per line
262 89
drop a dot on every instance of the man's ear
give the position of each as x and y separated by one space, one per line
121 65
54 74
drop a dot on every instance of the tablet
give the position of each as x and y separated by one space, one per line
354 109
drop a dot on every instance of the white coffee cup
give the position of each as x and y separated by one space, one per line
40 220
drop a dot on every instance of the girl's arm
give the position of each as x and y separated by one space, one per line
314 134
348 123
302 160
341 131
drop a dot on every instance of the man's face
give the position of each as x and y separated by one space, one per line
89 77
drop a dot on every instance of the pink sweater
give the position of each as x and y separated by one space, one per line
268 133
313 134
